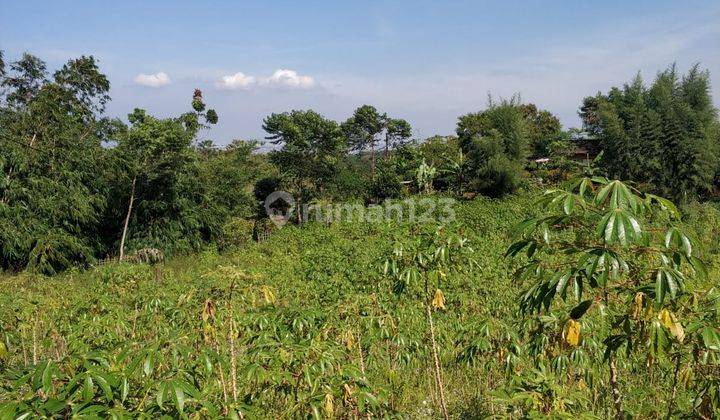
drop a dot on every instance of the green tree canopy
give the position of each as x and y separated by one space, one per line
665 135
51 158
311 147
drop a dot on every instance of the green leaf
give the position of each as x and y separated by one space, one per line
580 310
125 389
47 377
569 204
160 397
179 396
103 383
147 365
711 338
578 287
659 288
562 284
699 266
88 388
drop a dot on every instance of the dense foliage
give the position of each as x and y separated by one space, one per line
666 135
311 323
498 141
610 286
77 186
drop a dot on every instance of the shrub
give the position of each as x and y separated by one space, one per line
236 233
387 183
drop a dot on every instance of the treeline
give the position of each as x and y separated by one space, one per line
77 186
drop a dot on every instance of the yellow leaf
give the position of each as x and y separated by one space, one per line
3 351
571 332
638 305
438 301
268 295
668 319
349 339
208 333
208 311
329 405
665 317
348 393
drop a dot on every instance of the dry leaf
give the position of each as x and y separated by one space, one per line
438 301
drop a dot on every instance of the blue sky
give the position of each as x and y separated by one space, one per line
425 61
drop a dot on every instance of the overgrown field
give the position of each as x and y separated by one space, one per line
308 323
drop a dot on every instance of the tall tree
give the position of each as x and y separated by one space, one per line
543 129
362 130
172 211
51 158
311 147
496 143
26 77
665 136
397 132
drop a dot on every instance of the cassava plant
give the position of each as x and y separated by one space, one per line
420 266
603 249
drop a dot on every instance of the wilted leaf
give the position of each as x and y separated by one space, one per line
571 332
438 301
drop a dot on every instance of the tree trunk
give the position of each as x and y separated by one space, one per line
127 219
436 360
617 398
372 160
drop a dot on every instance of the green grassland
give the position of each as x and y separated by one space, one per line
306 323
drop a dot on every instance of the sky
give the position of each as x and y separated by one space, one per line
425 61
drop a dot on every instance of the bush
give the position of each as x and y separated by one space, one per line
493 172
236 233
499 176
387 183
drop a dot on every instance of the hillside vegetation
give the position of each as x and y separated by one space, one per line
308 323
142 275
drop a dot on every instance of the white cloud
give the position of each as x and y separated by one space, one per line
152 80
289 78
236 81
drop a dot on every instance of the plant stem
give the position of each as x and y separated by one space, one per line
671 404
233 361
438 373
127 219
617 398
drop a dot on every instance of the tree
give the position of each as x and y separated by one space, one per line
52 161
543 128
174 211
496 144
387 183
362 130
397 132
666 136
82 78
311 147
27 77
444 153
2 64
227 175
